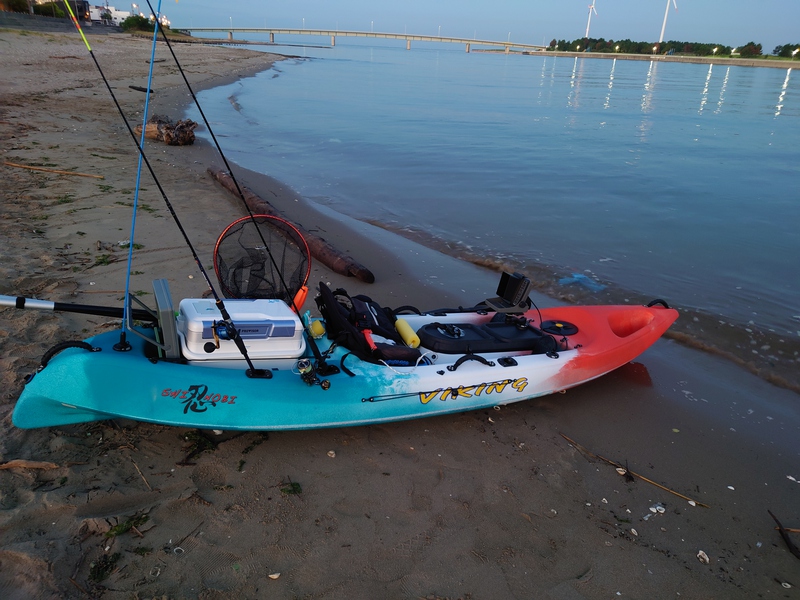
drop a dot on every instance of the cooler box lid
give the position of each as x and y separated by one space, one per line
269 328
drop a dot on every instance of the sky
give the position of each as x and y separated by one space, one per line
730 22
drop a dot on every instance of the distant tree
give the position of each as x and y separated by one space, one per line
553 43
137 23
750 49
786 50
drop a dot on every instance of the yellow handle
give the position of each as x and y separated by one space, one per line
409 335
317 329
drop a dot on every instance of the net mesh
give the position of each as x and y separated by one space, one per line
244 267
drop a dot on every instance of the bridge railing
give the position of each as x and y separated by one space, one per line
333 34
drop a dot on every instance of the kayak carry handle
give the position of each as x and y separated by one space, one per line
652 303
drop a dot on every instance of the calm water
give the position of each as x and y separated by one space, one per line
674 180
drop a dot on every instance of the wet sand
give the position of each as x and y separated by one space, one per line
487 504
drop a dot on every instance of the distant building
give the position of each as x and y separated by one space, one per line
115 17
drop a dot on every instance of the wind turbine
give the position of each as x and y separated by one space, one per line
664 26
591 9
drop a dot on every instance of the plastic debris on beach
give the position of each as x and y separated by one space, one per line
581 279
703 557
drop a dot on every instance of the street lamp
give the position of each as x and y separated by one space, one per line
616 49
795 51
655 48
715 51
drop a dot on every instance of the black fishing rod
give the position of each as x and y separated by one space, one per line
233 333
312 342
225 161
84 309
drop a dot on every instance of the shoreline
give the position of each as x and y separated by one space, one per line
484 504
703 60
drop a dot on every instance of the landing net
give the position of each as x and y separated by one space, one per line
245 269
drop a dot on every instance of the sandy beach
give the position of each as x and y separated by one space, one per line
482 505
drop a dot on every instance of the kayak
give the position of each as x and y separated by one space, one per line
464 360
252 361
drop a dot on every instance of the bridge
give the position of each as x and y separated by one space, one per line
333 34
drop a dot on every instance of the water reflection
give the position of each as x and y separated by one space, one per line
779 106
544 68
574 83
610 84
649 86
722 92
544 76
704 95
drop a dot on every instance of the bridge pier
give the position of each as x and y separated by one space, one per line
333 41
508 49
467 48
408 44
271 37
230 36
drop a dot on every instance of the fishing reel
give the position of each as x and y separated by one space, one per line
308 373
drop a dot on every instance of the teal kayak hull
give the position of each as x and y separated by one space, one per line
80 386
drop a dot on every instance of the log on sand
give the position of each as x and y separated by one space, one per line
319 248
172 134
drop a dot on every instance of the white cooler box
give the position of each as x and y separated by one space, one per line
269 328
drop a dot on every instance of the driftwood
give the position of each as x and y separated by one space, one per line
177 134
783 531
627 471
10 164
21 463
319 248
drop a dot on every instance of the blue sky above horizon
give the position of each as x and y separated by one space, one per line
732 23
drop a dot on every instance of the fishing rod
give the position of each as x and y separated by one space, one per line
227 166
233 333
127 324
312 342
84 309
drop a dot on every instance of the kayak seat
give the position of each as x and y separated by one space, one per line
494 336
